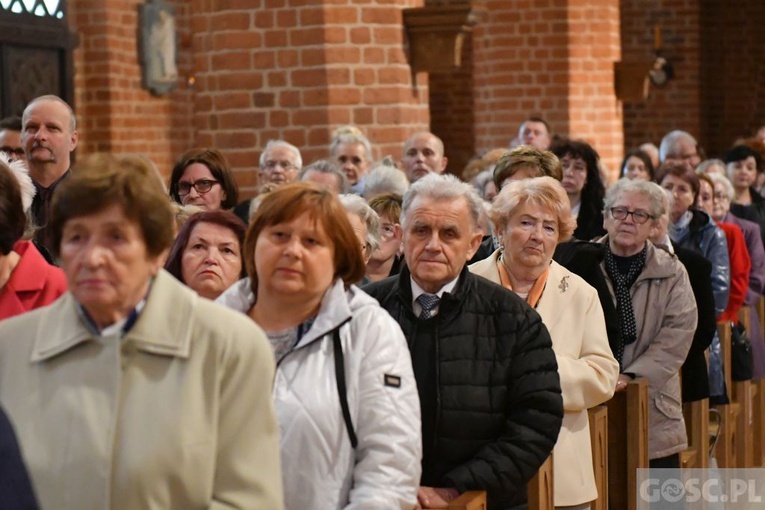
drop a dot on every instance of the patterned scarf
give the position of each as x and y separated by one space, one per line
622 282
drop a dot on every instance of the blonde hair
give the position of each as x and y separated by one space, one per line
544 192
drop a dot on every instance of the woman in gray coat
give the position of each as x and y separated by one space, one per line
656 308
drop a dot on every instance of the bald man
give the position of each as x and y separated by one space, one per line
423 155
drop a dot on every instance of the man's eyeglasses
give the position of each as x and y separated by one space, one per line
202 186
620 213
271 165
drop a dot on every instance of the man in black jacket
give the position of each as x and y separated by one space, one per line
486 373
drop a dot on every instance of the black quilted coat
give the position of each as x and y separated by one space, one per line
498 406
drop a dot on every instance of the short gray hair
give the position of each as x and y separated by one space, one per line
721 179
650 190
670 140
350 134
272 144
50 98
384 178
704 165
444 187
354 204
325 166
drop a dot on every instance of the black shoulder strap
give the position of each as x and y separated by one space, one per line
341 390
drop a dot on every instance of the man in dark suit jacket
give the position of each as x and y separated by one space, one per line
15 488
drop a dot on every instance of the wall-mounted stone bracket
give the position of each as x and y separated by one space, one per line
435 35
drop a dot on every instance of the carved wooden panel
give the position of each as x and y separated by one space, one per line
35 53
29 73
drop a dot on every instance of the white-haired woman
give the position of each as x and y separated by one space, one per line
353 152
385 178
531 217
365 223
656 308
27 280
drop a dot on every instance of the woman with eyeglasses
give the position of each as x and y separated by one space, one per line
387 259
203 177
656 307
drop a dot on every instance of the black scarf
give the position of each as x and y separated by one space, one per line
622 278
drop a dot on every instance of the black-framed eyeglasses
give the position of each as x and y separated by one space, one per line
621 213
202 186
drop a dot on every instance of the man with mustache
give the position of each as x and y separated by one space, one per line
49 136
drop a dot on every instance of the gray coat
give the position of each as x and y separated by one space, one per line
665 314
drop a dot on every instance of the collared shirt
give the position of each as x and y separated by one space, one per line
417 292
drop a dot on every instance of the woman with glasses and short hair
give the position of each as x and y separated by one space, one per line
203 177
656 308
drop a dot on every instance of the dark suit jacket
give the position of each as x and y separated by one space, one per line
15 488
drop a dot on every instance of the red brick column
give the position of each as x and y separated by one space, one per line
115 113
298 69
553 59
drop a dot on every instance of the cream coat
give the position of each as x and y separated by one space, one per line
177 414
666 317
588 371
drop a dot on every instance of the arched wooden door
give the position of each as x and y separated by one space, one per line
35 53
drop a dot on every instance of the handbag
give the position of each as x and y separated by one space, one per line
742 362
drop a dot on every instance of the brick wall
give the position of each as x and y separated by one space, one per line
677 104
298 69
733 71
550 58
251 71
115 113
451 110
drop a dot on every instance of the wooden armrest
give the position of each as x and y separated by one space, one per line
470 500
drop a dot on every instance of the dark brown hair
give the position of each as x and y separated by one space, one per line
681 170
219 168
13 221
101 180
225 219
292 200
388 204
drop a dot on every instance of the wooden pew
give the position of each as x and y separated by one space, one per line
758 413
743 395
758 410
696 416
725 451
599 440
627 443
470 500
540 488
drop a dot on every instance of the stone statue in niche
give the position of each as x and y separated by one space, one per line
158 46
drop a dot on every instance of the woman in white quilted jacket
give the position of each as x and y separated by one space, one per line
344 390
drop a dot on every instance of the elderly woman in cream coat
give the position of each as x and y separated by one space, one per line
531 217
130 391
